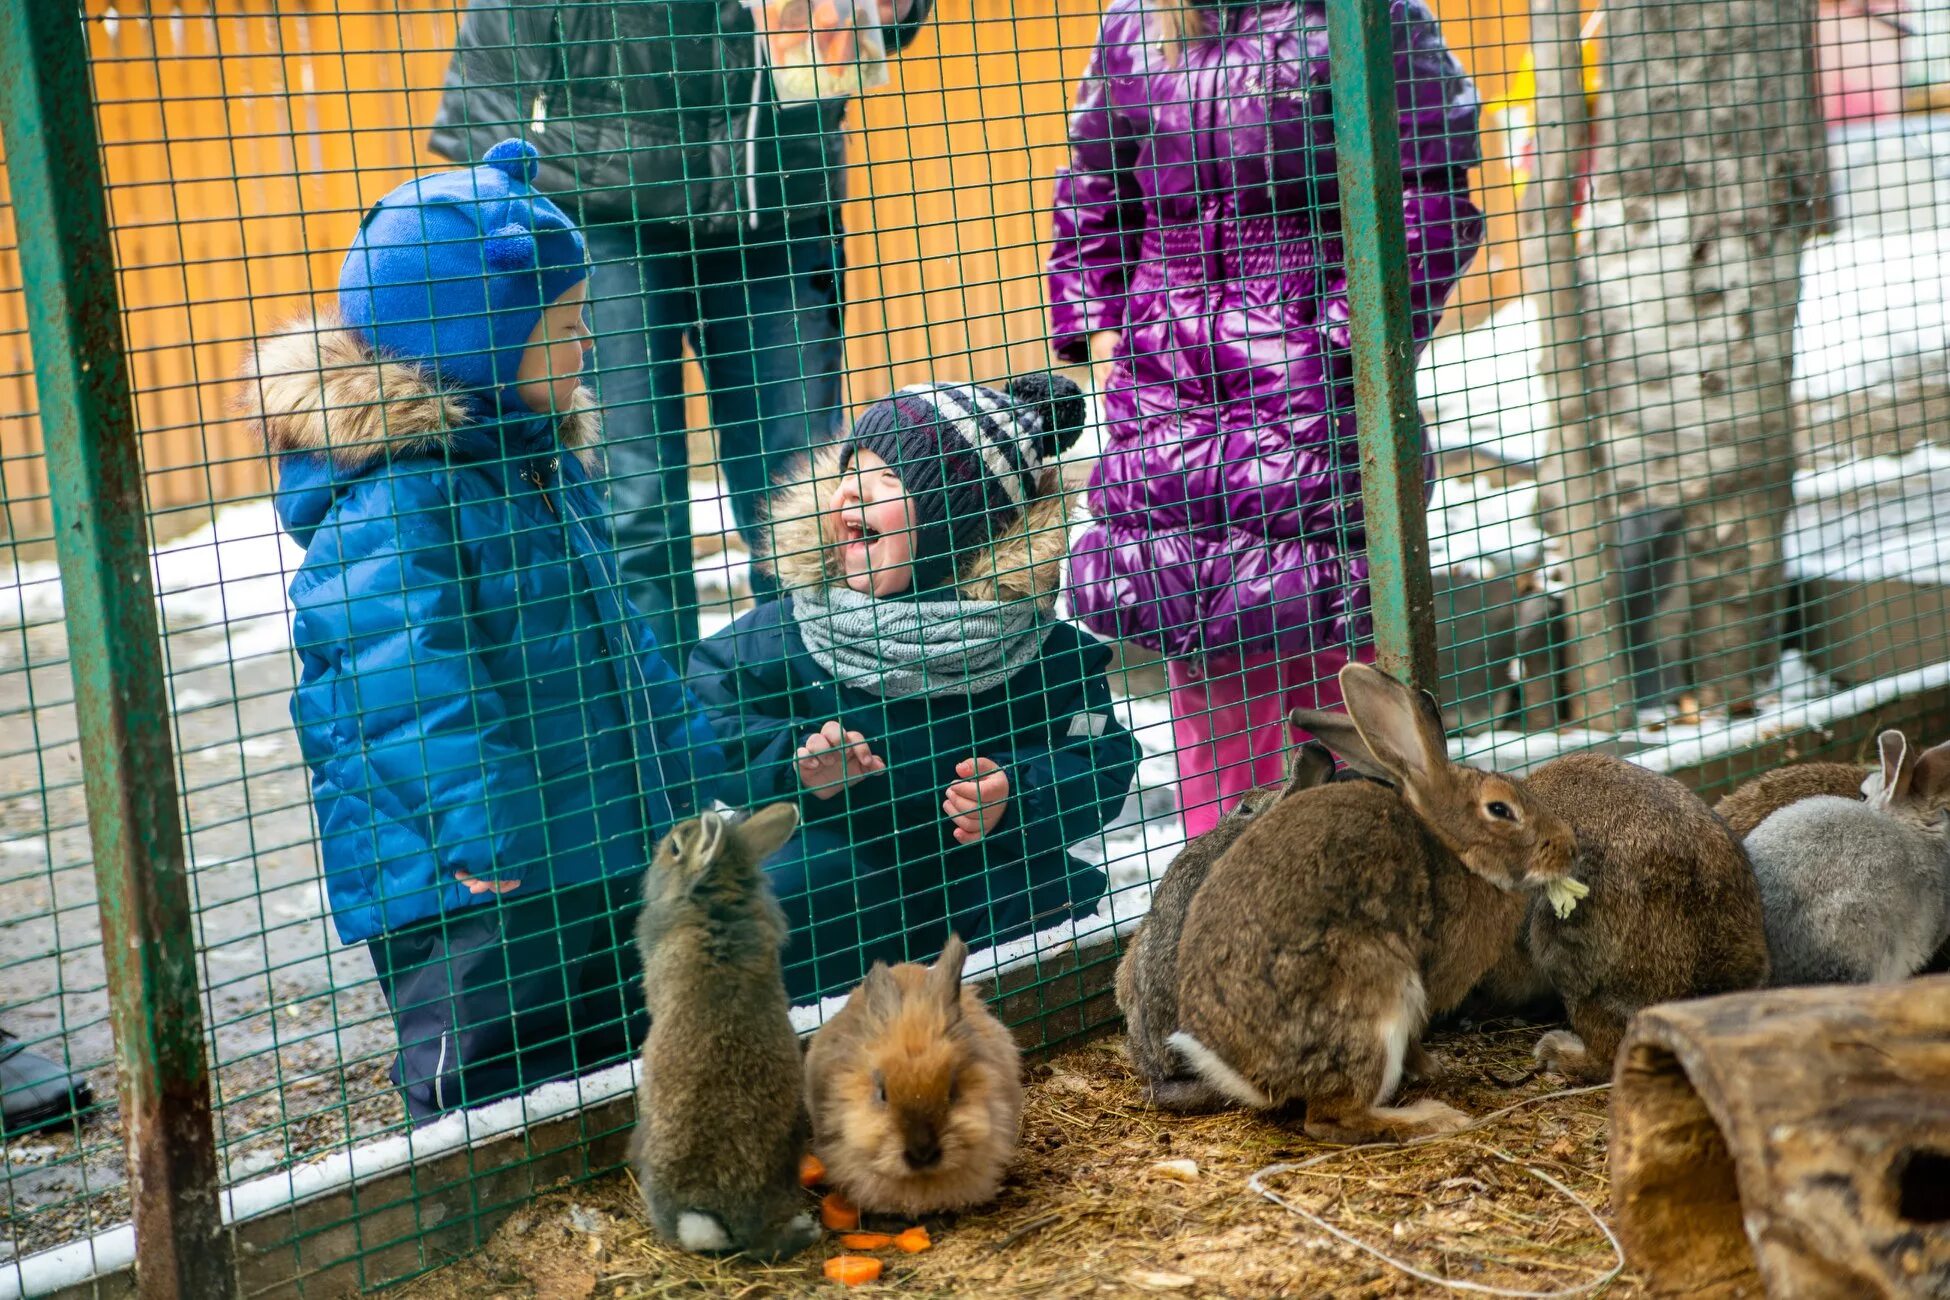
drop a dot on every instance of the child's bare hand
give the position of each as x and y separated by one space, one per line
475 885
831 759
975 803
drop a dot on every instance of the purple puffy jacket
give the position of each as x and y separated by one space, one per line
1199 217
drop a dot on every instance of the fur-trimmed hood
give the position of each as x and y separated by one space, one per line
1025 561
315 386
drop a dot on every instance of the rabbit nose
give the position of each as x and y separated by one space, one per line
923 1153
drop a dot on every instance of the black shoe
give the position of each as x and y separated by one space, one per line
36 1093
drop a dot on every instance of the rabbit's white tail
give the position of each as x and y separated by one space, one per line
1206 1065
701 1232
1399 1029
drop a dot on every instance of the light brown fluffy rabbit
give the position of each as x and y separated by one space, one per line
1322 940
915 1090
1147 978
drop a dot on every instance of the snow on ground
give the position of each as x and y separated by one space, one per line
1875 315
1874 519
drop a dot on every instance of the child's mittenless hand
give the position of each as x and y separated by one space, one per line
831 759
975 803
475 885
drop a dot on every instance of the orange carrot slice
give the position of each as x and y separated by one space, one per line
837 1213
914 1240
812 1170
867 1240
853 1270
825 14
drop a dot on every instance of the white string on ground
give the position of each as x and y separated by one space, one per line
1258 1184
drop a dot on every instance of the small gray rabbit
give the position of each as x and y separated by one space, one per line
1857 892
721 1123
1323 938
1147 978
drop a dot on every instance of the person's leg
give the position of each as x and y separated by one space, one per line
641 306
35 1091
994 897
843 904
609 1017
773 361
1192 741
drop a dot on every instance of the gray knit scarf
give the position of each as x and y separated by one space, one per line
898 648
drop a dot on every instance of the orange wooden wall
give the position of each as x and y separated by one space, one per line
242 141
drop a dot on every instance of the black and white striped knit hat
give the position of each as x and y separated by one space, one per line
971 458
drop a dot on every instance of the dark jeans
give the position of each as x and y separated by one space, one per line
850 905
499 998
765 322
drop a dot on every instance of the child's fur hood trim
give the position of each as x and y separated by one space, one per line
316 386
1025 561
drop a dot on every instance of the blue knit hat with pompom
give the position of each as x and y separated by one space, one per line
453 269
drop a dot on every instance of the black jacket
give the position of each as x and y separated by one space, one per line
648 110
1051 726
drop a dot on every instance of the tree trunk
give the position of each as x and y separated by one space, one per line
1795 1141
1710 160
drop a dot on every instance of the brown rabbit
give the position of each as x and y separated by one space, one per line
1323 938
1674 909
915 1090
1750 804
1147 978
721 1124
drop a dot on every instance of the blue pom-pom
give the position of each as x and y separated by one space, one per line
510 248
516 159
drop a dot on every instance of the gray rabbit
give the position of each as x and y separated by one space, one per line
1147 978
1857 892
721 1122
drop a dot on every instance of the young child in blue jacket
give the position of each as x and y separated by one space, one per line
495 742
947 739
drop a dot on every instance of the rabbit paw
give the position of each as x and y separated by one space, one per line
1562 1052
1422 1065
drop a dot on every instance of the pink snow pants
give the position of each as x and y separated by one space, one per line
1230 725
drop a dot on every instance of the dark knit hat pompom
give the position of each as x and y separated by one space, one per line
1058 403
972 458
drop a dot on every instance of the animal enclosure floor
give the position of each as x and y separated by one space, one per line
1102 1201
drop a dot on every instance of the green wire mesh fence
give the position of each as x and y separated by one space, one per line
1639 310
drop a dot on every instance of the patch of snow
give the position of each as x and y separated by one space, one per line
1875 313
1482 387
1872 519
1488 529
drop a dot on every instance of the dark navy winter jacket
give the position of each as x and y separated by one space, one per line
474 695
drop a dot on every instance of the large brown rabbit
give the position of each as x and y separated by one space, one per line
1756 800
721 1124
1323 938
1674 909
1147 978
915 1090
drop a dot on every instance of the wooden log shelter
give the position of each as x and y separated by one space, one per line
1790 1142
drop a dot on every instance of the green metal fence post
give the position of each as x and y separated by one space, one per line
94 467
1367 140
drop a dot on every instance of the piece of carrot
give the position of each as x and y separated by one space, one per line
836 49
867 1240
812 1170
837 1213
825 14
853 1270
914 1240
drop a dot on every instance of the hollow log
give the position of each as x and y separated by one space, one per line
1790 1142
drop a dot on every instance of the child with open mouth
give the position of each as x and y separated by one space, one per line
948 740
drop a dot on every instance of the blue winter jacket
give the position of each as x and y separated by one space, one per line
475 696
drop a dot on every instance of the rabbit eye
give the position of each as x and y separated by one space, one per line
879 1088
1498 809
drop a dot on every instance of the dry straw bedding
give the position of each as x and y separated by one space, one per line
1109 1197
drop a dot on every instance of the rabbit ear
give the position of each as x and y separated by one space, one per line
1307 766
695 844
766 831
1898 769
944 977
883 995
1930 782
1402 728
1338 732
